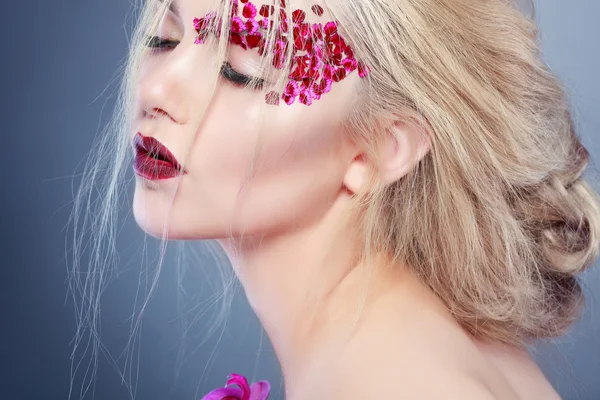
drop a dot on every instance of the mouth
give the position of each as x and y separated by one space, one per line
153 160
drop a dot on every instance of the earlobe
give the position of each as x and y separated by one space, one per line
357 174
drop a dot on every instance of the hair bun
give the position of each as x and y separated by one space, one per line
563 215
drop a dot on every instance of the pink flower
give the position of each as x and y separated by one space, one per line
237 25
258 391
290 93
249 10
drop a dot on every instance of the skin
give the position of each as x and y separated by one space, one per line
298 270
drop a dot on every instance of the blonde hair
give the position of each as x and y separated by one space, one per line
496 219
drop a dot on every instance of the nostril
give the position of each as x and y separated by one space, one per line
155 112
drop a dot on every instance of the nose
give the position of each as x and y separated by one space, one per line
165 89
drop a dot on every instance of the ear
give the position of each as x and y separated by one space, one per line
405 144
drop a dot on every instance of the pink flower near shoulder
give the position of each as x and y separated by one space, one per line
258 391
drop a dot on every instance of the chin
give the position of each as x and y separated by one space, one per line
153 209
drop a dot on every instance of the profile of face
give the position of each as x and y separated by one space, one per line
303 161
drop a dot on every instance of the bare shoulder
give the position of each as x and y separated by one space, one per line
425 386
433 359
423 356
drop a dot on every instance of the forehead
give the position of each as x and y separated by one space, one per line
313 9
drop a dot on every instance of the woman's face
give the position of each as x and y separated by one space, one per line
302 159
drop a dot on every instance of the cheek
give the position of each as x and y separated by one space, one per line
297 172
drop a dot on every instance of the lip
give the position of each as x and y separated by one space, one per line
153 160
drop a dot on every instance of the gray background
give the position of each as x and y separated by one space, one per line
58 64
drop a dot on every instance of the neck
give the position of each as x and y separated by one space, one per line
306 287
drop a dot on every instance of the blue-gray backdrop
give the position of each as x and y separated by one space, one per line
58 61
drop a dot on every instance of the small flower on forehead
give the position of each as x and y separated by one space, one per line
349 64
301 63
266 10
198 23
313 73
363 70
236 38
266 24
283 22
254 40
302 39
328 72
237 25
290 92
306 96
330 28
258 391
203 27
251 26
249 10
281 46
204 23
339 74
272 98
323 87
298 16
317 31
317 9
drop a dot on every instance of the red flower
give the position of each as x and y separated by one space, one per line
298 16
249 10
254 41
266 10
317 9
349 64
330 28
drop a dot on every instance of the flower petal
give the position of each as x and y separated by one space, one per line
219 394
260 390
242 382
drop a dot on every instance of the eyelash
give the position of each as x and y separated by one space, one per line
155 42
237 78
227 72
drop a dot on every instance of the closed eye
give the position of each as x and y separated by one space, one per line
238 78
156 42
227 71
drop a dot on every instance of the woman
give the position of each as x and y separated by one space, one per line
397 185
